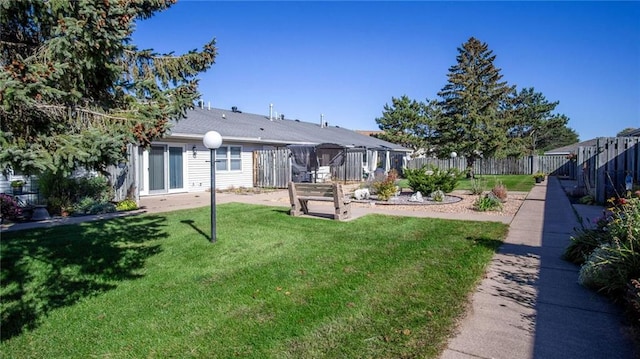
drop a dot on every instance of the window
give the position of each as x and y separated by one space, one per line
229 158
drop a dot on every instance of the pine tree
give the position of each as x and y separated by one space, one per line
533 126
471 123
74 91
408 123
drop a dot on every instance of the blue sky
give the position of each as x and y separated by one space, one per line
346 60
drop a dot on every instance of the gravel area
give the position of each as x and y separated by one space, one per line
465 205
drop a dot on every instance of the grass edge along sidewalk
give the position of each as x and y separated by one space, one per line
273 285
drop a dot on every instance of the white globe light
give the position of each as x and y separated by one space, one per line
212 140
454 155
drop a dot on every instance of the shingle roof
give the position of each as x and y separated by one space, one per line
249 127
571 148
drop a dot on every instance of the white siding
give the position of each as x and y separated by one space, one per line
200 169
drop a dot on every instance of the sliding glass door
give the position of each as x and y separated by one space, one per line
166 168
157 169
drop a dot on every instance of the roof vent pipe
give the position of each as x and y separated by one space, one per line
321 121
209 105
270 112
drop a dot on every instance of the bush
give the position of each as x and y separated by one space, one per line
58 191
477 186
500 191
582 244
423 182
65 193
437 195
616 259
96 187
88 205
633 299
385 188
488 202
127 205
588 199
9 208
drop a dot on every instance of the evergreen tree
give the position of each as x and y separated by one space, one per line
556 134
74 91
626 132
472 123
533 127
408 123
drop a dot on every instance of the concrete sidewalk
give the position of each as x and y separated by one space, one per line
530 304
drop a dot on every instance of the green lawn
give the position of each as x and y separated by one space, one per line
517 183
273 286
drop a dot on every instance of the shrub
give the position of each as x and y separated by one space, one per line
58 190
633 299
437 195
477 186
102 207
96 187
588 199
386 187
9 208
582 244
127 205
488 202
63 193
423 182
616 259
88 205
500 191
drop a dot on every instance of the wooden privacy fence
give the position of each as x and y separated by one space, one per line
123 176
351 169
552 165
271 168
602 168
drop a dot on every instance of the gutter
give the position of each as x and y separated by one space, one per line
238 139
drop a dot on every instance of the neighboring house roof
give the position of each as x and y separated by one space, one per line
247 127
565 150
634 133
369 133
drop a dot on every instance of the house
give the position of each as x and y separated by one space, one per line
180 162
569 149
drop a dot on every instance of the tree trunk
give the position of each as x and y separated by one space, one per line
471 160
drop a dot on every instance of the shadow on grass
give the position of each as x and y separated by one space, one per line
45 269
490 243
200 231
282 211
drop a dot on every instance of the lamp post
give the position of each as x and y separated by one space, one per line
212 140
453 156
